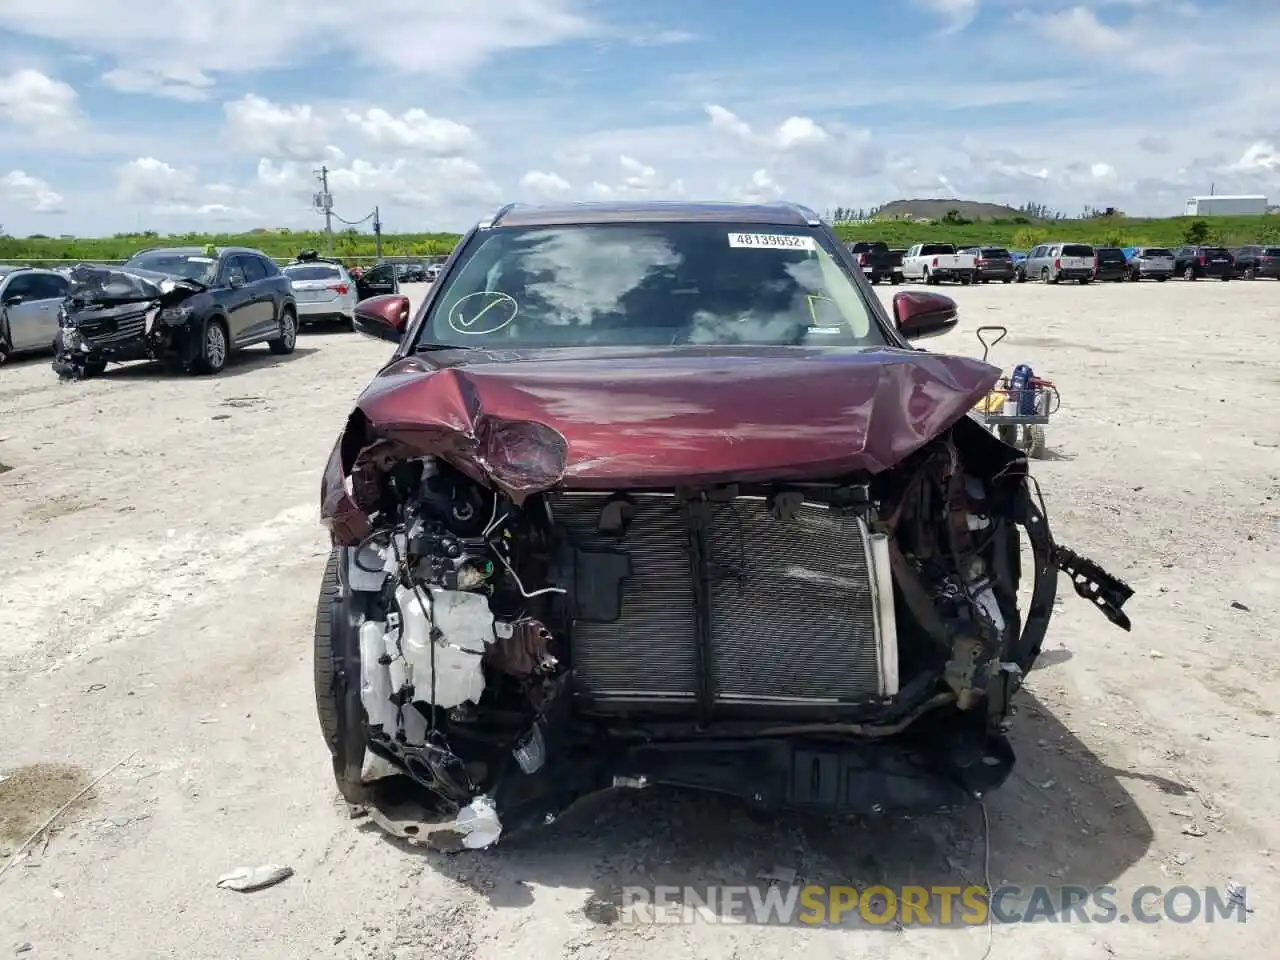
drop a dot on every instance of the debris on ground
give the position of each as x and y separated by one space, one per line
249 879
1237 893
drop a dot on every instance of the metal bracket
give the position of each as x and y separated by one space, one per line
1109 594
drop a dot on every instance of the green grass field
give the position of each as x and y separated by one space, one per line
1016 234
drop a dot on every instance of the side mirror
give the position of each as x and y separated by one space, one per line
919 314
385 317
235 283
13 301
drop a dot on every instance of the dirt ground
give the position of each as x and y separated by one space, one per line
162 556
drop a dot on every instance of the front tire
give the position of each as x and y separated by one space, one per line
213 349
288 339
336 675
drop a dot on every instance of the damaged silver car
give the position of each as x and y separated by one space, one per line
662 494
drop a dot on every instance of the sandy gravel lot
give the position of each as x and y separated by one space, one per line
162 556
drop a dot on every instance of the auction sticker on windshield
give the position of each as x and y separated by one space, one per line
771 241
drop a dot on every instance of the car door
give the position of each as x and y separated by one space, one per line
30 315
51 291
1035 260
378 280
261 305
236 298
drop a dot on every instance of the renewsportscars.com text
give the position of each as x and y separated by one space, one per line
929 905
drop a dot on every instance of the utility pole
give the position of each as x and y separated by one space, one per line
324 202
377 233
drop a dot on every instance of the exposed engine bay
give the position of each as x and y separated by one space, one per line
844 646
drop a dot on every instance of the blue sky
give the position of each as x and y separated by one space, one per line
176 114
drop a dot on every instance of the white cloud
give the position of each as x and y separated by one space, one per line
415 131
151 182
957 14
638 180
256 125
213 212
1262 156
1080 28
762 188
171 83
543 184
844 151
34 194
800 132
167 191
728 122
39 103
437 37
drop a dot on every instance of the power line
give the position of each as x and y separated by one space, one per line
356 223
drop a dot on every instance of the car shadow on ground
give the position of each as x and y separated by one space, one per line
28 359
1062 819
249 360
324 329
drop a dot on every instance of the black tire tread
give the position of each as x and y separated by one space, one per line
326 677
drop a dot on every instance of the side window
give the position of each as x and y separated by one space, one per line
381 273
269 268
253 269
49 286
22 286
232 269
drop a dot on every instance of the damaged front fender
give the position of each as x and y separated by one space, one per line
516 457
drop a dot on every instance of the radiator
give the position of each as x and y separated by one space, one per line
792 605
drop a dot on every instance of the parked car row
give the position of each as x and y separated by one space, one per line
934 263
191 307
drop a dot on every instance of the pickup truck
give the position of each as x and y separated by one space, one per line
877 261
935 262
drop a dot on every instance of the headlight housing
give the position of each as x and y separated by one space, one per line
175 315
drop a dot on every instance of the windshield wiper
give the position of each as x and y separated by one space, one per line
431 347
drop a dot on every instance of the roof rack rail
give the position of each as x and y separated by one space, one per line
497 217
811 217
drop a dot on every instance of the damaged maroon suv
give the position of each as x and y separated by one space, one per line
661 494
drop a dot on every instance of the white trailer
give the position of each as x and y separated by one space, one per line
1221 205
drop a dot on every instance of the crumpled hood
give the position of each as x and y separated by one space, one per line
677 416
97 284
